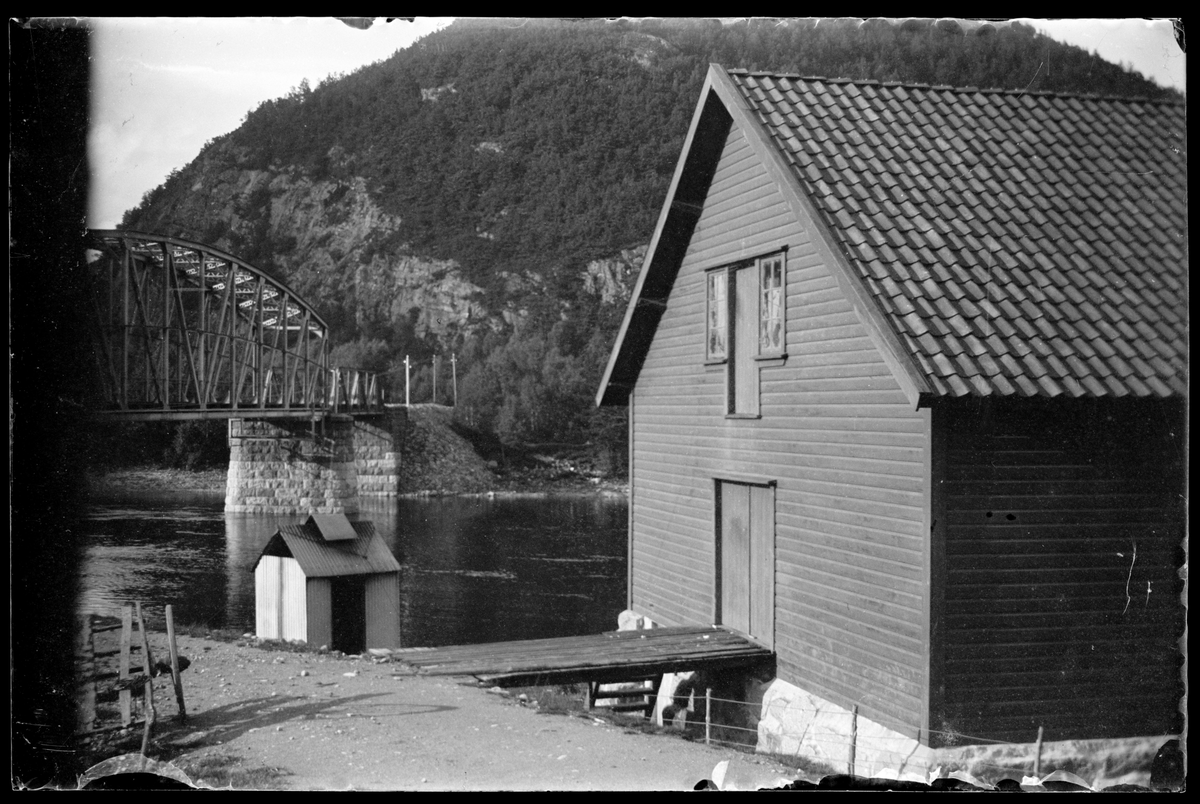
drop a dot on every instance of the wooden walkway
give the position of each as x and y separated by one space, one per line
600 658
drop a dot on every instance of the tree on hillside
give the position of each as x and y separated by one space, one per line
515 155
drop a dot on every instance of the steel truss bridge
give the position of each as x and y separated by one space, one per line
186 331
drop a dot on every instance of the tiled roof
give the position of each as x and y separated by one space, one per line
1018 243
365 555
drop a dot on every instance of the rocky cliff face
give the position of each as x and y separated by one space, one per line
328 240
612 279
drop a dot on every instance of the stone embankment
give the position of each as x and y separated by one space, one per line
436 460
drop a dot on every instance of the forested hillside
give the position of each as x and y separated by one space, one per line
490 191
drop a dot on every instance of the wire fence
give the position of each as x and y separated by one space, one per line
841 743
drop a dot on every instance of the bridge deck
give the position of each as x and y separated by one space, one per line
609 657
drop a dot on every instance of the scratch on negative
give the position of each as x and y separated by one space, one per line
1129 578
1031 80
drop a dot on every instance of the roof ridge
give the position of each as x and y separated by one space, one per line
947 87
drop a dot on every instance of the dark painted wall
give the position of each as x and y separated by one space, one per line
1065 522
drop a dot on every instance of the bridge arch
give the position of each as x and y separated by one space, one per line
184 330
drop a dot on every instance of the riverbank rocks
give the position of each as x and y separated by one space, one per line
435 459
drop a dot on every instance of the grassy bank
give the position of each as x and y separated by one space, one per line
157 479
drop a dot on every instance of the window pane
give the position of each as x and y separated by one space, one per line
770 331
718 311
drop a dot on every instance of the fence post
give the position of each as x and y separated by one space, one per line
707 715
126 695
454 377
435 379
148 668
1037 758
175 679
853 738
406 381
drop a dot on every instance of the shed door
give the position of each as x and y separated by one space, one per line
746 559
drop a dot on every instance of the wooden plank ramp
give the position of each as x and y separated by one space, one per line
603 658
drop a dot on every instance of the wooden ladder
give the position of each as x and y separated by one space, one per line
126 686
641 699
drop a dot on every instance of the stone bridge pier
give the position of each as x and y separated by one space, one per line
294 467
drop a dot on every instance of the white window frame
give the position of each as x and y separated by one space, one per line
776 305
716 315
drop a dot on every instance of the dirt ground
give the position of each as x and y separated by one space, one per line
310 721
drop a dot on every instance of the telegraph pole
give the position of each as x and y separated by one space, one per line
406 381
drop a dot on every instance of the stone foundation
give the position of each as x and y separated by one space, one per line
795 722
780 718
378 441
774 716
279 468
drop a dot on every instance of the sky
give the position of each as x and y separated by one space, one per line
163 87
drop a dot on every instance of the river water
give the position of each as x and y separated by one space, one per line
472 569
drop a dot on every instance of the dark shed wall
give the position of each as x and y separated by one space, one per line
1050 619
836 433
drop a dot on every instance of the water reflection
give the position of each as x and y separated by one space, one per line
473 569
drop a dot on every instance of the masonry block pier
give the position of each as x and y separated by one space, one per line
377 445
323 465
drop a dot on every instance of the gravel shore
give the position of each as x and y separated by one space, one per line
259 717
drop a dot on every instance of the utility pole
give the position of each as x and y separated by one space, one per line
454 375
406 381
435 379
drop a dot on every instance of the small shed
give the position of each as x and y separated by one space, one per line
328 581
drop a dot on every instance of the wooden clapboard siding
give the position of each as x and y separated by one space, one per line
838 437
1048 621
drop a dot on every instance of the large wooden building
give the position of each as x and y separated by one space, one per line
906 370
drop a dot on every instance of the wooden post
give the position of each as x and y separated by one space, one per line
1037 758
707 715
406 402
853 738
454 376
435 379
123 673
148 666
85 657
175 679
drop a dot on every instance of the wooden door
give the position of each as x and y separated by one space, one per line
746 556
743 378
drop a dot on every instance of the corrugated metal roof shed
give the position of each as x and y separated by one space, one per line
333 527
364 554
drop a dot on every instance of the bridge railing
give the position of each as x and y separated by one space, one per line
354 390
